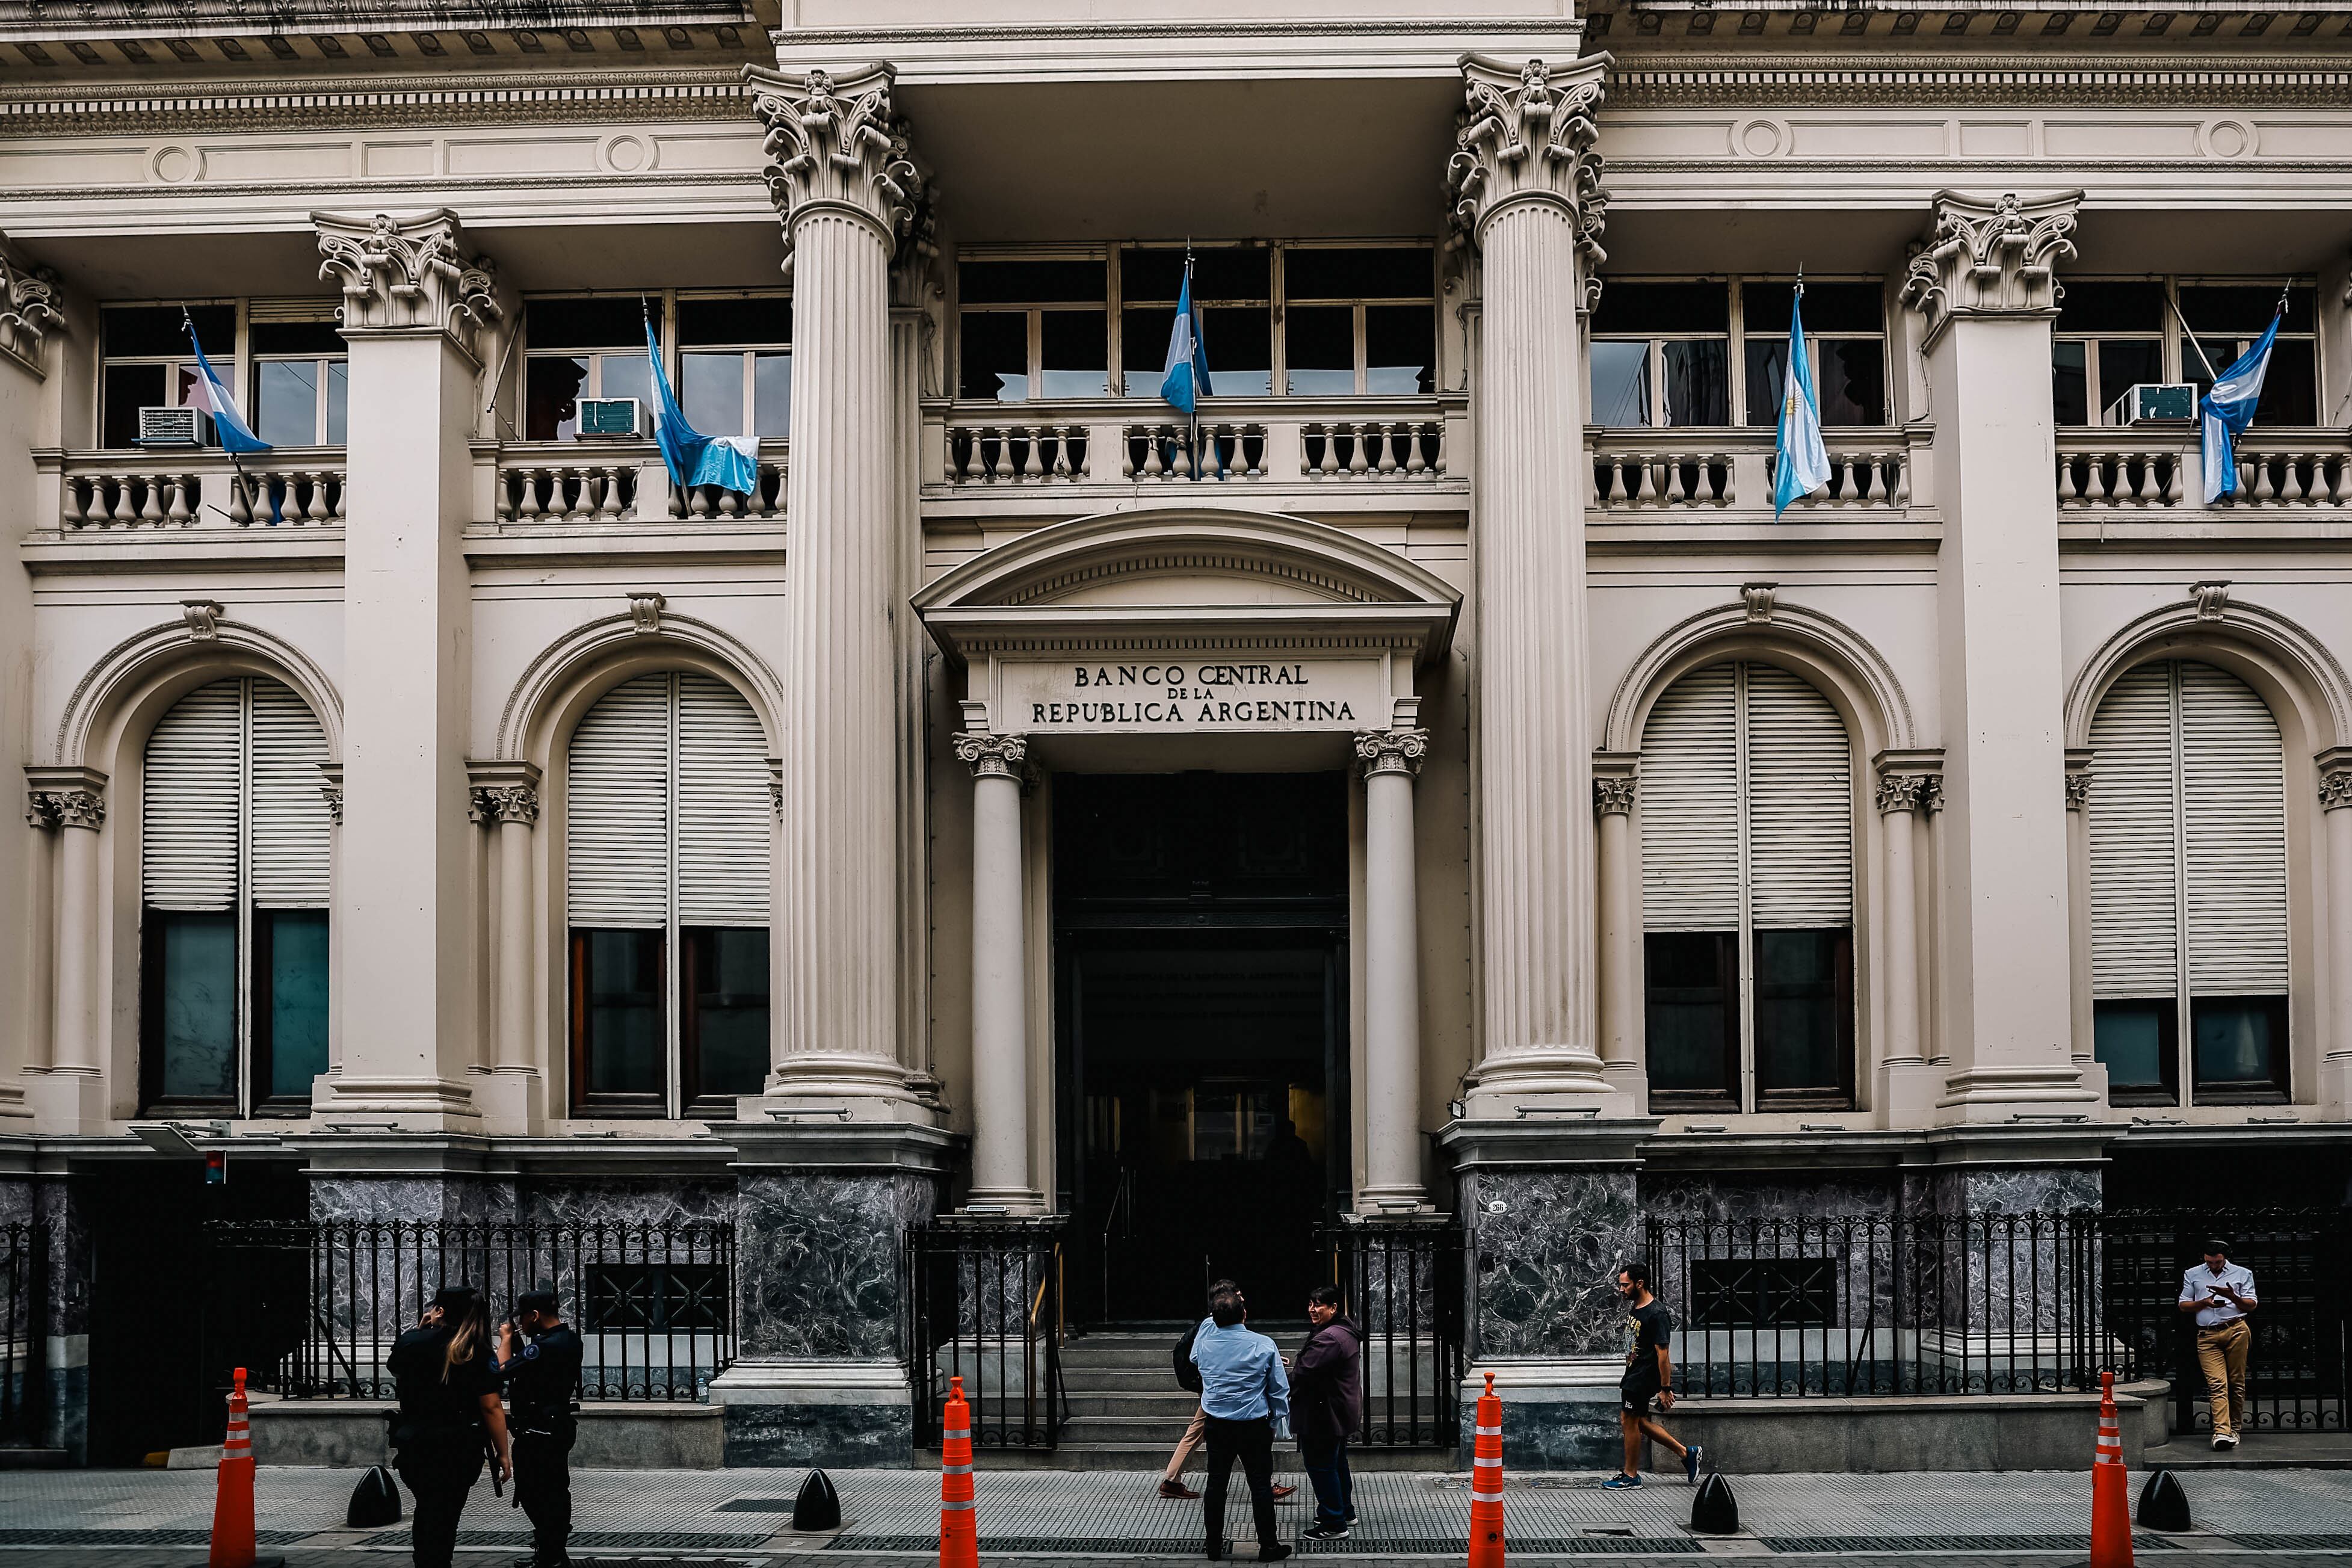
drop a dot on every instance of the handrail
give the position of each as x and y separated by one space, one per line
1121 1197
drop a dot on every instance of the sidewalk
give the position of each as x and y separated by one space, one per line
723 1515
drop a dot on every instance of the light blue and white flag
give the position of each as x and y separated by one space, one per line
730 462
1801 464
1186 380
236 436
2229 409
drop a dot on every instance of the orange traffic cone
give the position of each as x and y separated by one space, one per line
2111 1525
958 1531
233 1545
1487 1482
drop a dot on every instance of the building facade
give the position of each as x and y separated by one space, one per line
1433 781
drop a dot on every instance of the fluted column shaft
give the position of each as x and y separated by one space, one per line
1898 804
1392 1088
2335 807
75 1046
514 944
41 926
1000 978
1621 922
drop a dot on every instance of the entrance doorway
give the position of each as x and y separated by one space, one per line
1201 955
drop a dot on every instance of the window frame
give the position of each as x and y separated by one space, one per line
1735 337
675 349
2174 356
232 374
1358 305
666 332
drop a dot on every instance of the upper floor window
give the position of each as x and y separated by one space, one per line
145 361
1747 820
300 378
2189 888
667 821
235 838
1299 318
1715 353
735 366
2115 334
581 348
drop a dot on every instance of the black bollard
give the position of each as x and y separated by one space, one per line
819 1507
376 1501
1714 1512
2163 1505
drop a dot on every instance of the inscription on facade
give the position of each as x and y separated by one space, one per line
1184 696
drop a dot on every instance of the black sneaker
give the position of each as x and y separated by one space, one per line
1692 1456
1273 1554
1215 1552
1326 1532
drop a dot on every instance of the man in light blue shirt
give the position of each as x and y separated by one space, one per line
1245 1398
2222 1293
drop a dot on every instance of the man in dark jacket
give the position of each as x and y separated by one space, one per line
1327 1403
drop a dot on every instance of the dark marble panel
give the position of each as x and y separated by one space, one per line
1553 1435
2016 1189
15 1200
655 1201
818 1259
451 1197
838 1437
1546 1244
1744 1195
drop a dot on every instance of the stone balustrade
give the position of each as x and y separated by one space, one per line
2114 469
1726 470
1629 480
199 490
702 501
1221 448
1016 454
613 482
1374 449
566 493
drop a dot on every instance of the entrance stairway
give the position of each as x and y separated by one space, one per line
1127 1411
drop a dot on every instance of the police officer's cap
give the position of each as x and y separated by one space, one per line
535 1301
456 1299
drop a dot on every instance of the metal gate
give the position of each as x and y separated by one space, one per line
24 1334
2302 1261
1405 1285
984 1303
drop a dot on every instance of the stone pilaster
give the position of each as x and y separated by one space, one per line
2335 767
1616 785
1391 1090
72 1095
1907 1086
846 192
1524 177
1983 284
1001 1182
505 801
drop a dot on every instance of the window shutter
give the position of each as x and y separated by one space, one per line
724 808
188 802
1690 804
1800 805
291 828
617 812
2134 871
2233 797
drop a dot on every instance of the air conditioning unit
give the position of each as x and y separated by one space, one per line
161 426
2155 403
612 416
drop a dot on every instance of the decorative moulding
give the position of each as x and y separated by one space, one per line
1995 257
405 273
646 610
2212 598
1527 132
203 617
27 308
835 141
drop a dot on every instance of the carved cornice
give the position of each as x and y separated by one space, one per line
1992 258
505 803
1931 794
408 273
330 787
1528 134
28 308
1613 795
2336 778
1392 750
992 756
1900 791
41 813
65 796
1907 80
836 143
2078 789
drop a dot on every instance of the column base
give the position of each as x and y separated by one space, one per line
1997 1094
993 1203
1559 1413
811 1087
1906 1093
846 1415
1546 1078
2334 1086
1395 1200
1631 1080
13 1106
513 1102
408 1104
64 1102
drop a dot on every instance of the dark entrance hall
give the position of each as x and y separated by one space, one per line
1201 955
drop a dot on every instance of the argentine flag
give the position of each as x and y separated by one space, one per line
1186 380
2229 409
730 462
209 395
1802 463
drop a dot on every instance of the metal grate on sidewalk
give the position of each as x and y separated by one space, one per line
1819 1543
154 1535
622 1539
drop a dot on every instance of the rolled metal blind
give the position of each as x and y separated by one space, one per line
616 823
2234 801
1690 804
188 801
292 833
2134 840
725 811
1800 800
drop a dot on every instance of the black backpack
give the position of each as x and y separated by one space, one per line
1188 1376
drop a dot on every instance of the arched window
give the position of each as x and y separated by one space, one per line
1747 893
668 819
235 838
2189 943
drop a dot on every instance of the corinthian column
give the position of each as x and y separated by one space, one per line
1391 975
1616 780
2336 808
846 191
1526 183
1000 980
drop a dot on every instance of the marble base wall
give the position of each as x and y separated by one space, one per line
1546 1246
479 1199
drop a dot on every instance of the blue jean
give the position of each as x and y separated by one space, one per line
1326 1472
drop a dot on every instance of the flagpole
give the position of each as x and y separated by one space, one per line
236 463
2191 333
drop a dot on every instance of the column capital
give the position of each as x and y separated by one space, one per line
408 273
2335 766
72 797
330 786
1392 750
992 756
1907 779
28 308
1613 793
503 792
41 813
1997 256
2079 773
836 143
1528 134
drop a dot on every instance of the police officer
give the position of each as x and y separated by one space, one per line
448 1418
542 1377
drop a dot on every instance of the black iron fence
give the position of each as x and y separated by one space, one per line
653 1301
984 1303
1404 1284
2299 1366
24 1334
1886 1304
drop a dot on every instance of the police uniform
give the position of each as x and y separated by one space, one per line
437 1437
541 1381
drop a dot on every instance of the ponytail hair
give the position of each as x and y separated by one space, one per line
469 1320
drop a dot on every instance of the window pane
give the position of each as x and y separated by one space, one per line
2226 309
1852 381
285 404
2238 1045
193 1032
551 383
1371 272
291 1006
2138 1043
2070 383
1030 282
1075 346
771 395
1221 274
620 992
1240 344
1768 379
314 340
129 388
1320 343
628 376
1698 390
338 397
2124 363
2133 307
158 329
1804 1011
2291 386
734 323
1664 308
1829 308
995 357
726 1010
711 392
585 323
2219 353
1400 349
1621 384
1690 986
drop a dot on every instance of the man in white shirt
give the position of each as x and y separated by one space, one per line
2222 1293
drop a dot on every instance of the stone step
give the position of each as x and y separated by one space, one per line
1153 1458
1177 1408
1159 1379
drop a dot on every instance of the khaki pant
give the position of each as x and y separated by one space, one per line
2221 1356
1190 1441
